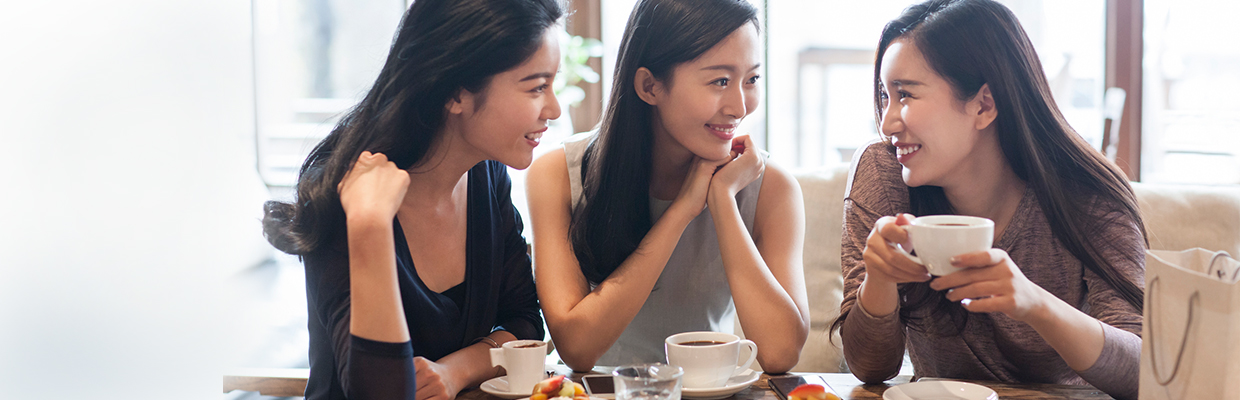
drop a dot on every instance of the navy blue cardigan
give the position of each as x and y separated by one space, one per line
498 292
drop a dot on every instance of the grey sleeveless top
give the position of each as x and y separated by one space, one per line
692 293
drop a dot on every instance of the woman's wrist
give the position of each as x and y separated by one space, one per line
1043 312
719 196
367 221
878 297
677 215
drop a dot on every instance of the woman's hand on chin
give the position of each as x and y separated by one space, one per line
744 168
693 192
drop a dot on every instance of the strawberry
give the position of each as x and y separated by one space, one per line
811 392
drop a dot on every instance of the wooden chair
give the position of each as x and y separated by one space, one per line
277 382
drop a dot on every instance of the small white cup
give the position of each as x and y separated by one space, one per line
938 238
524 360
708 358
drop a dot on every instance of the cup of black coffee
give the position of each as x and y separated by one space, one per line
708 358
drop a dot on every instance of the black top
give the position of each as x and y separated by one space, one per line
498 294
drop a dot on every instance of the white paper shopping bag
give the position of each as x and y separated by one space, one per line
1191 336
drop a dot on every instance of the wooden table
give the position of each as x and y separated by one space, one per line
848 387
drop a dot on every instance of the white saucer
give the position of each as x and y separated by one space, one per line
943 390
498 387
735 384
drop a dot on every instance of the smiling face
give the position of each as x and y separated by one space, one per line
506 121
939 139
704 100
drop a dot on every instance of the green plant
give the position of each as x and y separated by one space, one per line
574 67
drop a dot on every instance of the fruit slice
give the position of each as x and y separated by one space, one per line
578 390
811 392
568 389
549 386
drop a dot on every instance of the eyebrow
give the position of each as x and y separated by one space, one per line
905 82
546 75
728 68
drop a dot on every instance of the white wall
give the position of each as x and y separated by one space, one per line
128 193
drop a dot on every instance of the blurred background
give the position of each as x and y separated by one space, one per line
140 139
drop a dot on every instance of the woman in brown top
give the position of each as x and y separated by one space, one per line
970 128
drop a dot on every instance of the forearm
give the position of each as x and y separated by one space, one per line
376 310
879 298
584 331
471 365
873 345
768 312
1076 336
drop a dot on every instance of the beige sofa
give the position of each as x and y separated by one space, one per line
1176 216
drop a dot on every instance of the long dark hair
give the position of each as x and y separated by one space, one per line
615 212
975 42
441 47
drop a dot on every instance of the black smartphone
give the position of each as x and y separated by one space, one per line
602 386
786 383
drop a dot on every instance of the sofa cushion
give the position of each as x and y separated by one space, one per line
1179 217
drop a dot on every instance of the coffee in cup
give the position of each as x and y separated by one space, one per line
708 358
938 238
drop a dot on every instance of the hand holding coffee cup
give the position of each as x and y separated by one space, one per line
938 238
709 359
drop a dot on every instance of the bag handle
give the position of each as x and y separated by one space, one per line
1222 275
1192 300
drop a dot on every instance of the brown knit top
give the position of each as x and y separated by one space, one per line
992 346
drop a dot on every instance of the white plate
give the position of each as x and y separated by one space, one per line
498 387
735 384
939 390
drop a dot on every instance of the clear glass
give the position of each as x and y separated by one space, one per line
656 381
1189 135
821 65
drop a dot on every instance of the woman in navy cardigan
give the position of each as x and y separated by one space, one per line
415 262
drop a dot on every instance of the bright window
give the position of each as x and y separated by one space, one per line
1190 127
314 60
822 62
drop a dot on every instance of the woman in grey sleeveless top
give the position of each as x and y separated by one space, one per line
665 220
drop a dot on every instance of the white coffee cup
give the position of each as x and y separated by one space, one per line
524 360
708 358
938 238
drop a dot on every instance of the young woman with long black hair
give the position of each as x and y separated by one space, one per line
970 128
415 262
654 226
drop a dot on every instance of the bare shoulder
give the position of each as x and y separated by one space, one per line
778 186
548 172
781 208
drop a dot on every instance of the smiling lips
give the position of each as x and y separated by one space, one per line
535 137
723 131
904 152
